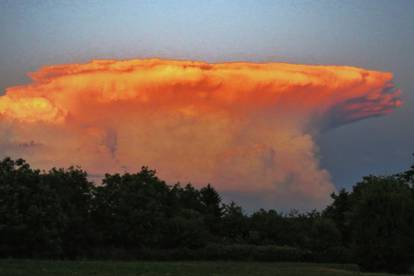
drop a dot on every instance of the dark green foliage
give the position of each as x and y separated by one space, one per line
324 235
132 209
234 224
60 214
407 176
43 214
74 196
339 212
383 223
211 208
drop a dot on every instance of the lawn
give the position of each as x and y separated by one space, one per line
108 268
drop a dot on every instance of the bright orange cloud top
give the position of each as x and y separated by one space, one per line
244 127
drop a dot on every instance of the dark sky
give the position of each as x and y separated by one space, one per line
373 34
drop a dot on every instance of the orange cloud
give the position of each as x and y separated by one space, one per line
244 127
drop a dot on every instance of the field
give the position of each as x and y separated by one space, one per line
108 268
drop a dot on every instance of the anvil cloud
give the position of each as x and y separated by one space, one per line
244 127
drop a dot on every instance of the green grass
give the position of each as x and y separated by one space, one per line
106 268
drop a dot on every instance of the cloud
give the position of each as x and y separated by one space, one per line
246 128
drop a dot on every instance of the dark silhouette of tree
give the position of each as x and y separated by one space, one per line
132 208
42 214
407 176
339 212
234 224
189 198
268 227
324 234
212 208
73 194
382 223
60 214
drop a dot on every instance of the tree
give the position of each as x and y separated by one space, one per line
132 208
323 235
407 176
234 224
211 208
73 194
339 211
188 197
268 227
382 223
186 229
31 217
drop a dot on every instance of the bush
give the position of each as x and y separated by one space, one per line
212 252
337 254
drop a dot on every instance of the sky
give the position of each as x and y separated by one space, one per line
376 35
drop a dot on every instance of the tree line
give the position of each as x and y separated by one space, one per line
61 214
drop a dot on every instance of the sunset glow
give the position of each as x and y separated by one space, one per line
242 126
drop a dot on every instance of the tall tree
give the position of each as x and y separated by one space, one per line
212 208
382 223
339 211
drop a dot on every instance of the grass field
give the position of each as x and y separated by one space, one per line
107 268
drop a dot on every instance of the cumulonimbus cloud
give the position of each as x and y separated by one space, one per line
244 127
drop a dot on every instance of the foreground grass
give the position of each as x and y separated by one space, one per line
109 268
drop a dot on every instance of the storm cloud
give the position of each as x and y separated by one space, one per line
247 128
